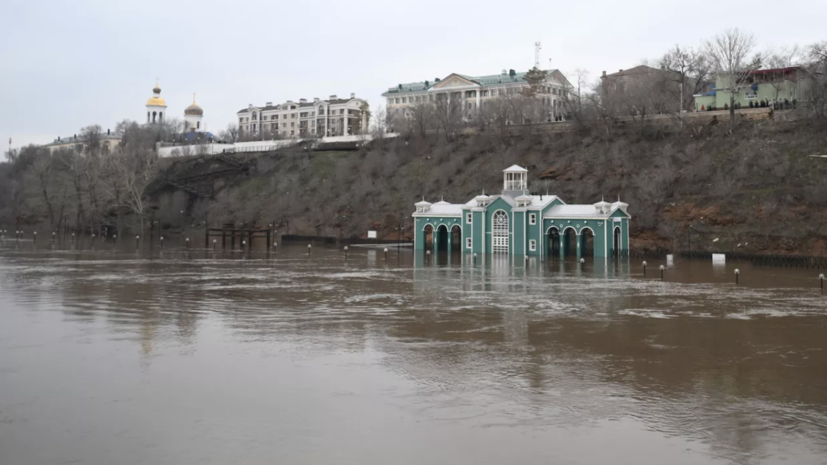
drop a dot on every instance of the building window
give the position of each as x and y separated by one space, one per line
532 218
468 217
404 99
468 242
532 245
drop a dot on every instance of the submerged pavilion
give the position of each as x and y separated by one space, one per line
519 223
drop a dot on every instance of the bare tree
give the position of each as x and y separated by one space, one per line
732 58
689 68
41 172
574 98
779 60
817 77
449 114
379 125
230 135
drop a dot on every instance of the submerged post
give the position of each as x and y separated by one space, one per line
214 244
345 252
386 254
162 242
661 272
34 238
644 268
582 263
188 242
308 249
737 272
821 279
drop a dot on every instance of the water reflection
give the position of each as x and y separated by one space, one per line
493 359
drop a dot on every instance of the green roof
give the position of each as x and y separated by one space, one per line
489 80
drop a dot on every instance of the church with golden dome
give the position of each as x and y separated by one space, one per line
192 117
156 112
156 107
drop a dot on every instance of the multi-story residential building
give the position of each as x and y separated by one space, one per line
475 91
332 117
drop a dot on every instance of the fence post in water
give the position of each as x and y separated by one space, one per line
214 244
526 261
644 268
474 260
188 242
34 238
582 263
345 252
821 278
737 272
162 242
308 249
137 241
275 247
73 237
427 256
243 245
661 272
93 239
386 254
17 236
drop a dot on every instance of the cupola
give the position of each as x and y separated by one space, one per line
603 207
423 206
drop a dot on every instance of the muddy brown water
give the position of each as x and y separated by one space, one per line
189 357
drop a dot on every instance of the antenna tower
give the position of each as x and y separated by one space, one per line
537 48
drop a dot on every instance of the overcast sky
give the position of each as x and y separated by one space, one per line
69 64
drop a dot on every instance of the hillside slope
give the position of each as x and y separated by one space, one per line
754 189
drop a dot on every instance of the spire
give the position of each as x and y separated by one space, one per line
193 97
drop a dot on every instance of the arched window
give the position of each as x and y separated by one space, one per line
499 230
198 125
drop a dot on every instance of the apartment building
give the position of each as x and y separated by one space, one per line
331 117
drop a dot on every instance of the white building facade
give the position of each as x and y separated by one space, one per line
320 118
475 91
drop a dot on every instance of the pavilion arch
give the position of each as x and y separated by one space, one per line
428 232
441 236
553 241
569 242
586 239
617 240
455 233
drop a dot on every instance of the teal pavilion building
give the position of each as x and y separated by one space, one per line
519 223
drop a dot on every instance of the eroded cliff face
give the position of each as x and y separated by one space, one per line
756 188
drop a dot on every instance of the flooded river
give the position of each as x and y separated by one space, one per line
186 357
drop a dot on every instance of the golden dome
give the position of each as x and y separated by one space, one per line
194 109
156 101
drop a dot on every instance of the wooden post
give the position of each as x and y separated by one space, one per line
206 236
